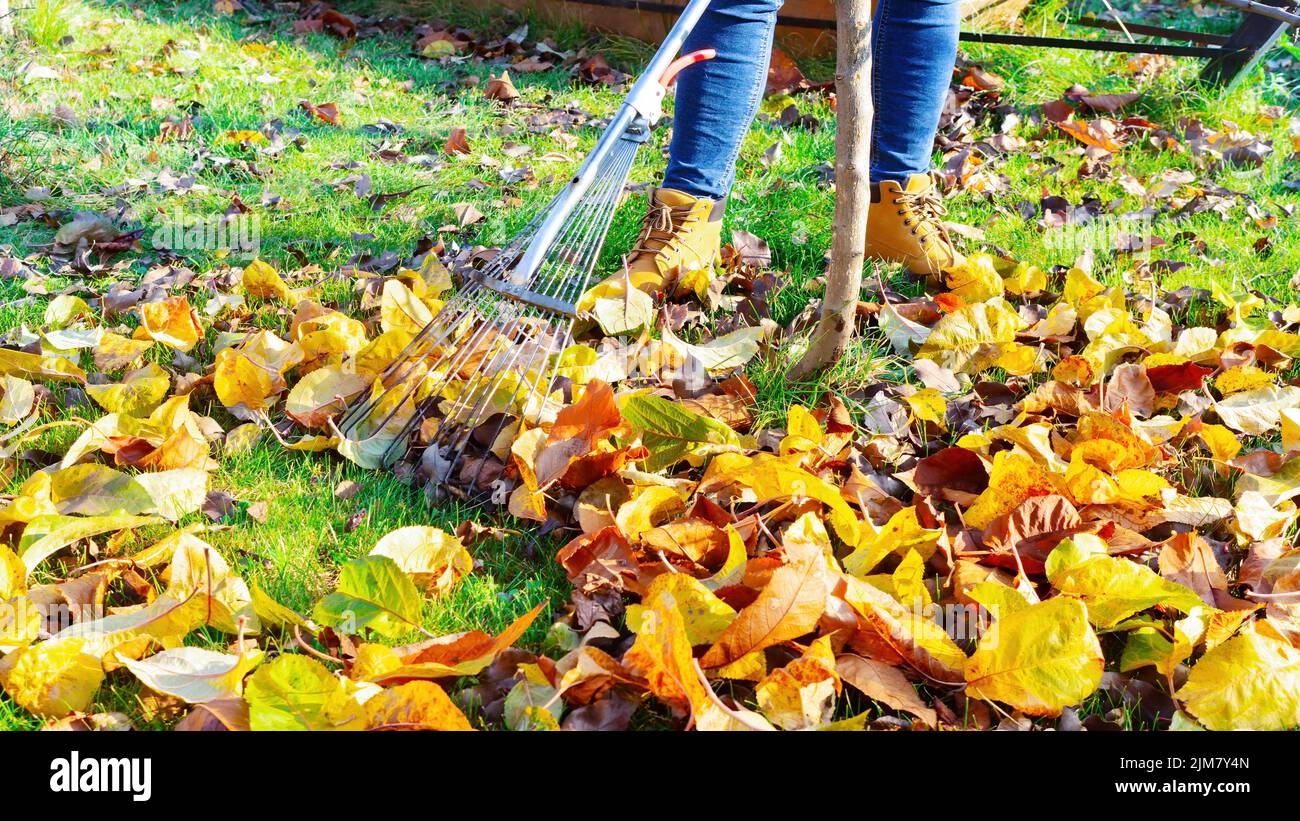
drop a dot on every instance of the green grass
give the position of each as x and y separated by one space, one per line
125 64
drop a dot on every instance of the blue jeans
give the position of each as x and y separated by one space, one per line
914 47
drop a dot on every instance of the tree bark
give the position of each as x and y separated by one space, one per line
853 114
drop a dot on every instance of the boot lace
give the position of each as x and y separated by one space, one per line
662 223
927 210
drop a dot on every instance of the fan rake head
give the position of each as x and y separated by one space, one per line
489 362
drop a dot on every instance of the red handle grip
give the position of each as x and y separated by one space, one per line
675 67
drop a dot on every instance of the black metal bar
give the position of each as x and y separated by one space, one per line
1247 44
1236 52
1093 45
1153 31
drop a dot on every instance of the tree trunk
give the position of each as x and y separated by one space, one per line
853 115
6 20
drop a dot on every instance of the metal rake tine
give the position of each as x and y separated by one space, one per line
603 214
405 360
463 351
484 396
419 345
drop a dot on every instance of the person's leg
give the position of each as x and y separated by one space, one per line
716 100
914 47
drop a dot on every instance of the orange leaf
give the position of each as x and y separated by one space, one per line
576 430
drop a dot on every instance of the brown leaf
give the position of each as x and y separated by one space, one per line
1032 531
501 88
877 680
327 113
457 141
576 430
1058 111
952 469
467 648
603 558
222 714
1100 133
978 78
1189 560
339 24
1109 103
1130 385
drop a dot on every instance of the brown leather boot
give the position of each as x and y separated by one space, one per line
680 233
904 225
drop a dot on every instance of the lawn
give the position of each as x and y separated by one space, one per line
155 112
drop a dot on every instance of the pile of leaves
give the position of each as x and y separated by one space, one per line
1094 512
1076 512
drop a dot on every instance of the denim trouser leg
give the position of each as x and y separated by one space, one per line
915 44
717 99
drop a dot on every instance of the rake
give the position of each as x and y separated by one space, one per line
489 359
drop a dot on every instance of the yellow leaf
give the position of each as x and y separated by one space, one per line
329 336
116 352
704 615
63 309
1113 588
323 394
401 310
434 559
928 405
294 692
647 509
909 632
172 322
1259 411
36 366
901 534
909 581
194 674
415 705
1013 479
380 352
139 392
801 695
976 281
17 398
462 654
46 535
1026 279
1039 659
662 655
721 355
970 339
803 433
252 374
261 280
1222 443
1250 682
618 308
771 478
197 569
52 678
1243 378
13 575
1290 418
